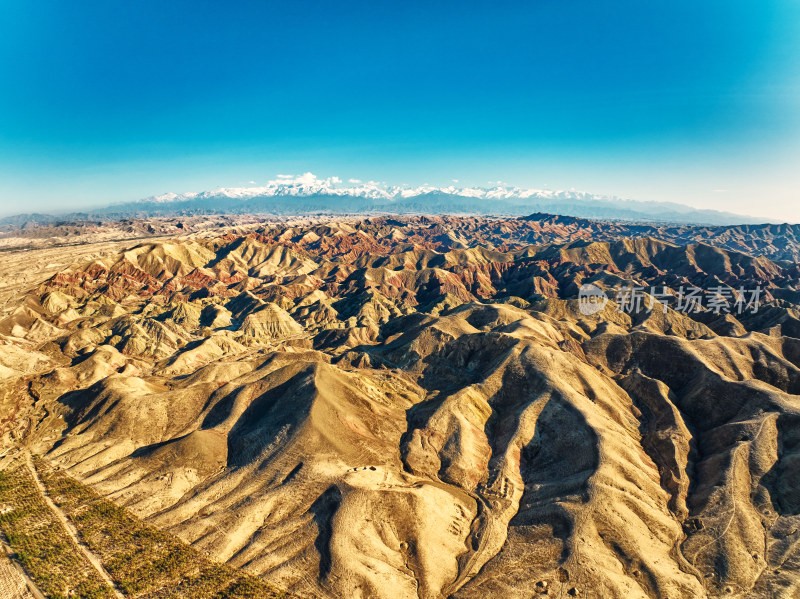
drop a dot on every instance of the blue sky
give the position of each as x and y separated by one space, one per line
694 102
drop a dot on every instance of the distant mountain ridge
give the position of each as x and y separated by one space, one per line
308 194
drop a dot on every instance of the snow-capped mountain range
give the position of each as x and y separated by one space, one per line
308 194
309 184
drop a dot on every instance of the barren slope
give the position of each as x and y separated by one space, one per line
418 408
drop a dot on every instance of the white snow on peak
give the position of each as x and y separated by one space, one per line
309 184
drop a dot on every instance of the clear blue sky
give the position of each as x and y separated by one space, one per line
691 101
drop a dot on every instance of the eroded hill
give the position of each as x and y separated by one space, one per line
420 407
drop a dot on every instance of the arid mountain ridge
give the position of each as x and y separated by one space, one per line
775 241
417 406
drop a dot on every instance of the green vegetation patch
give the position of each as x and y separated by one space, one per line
144 562
40 543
